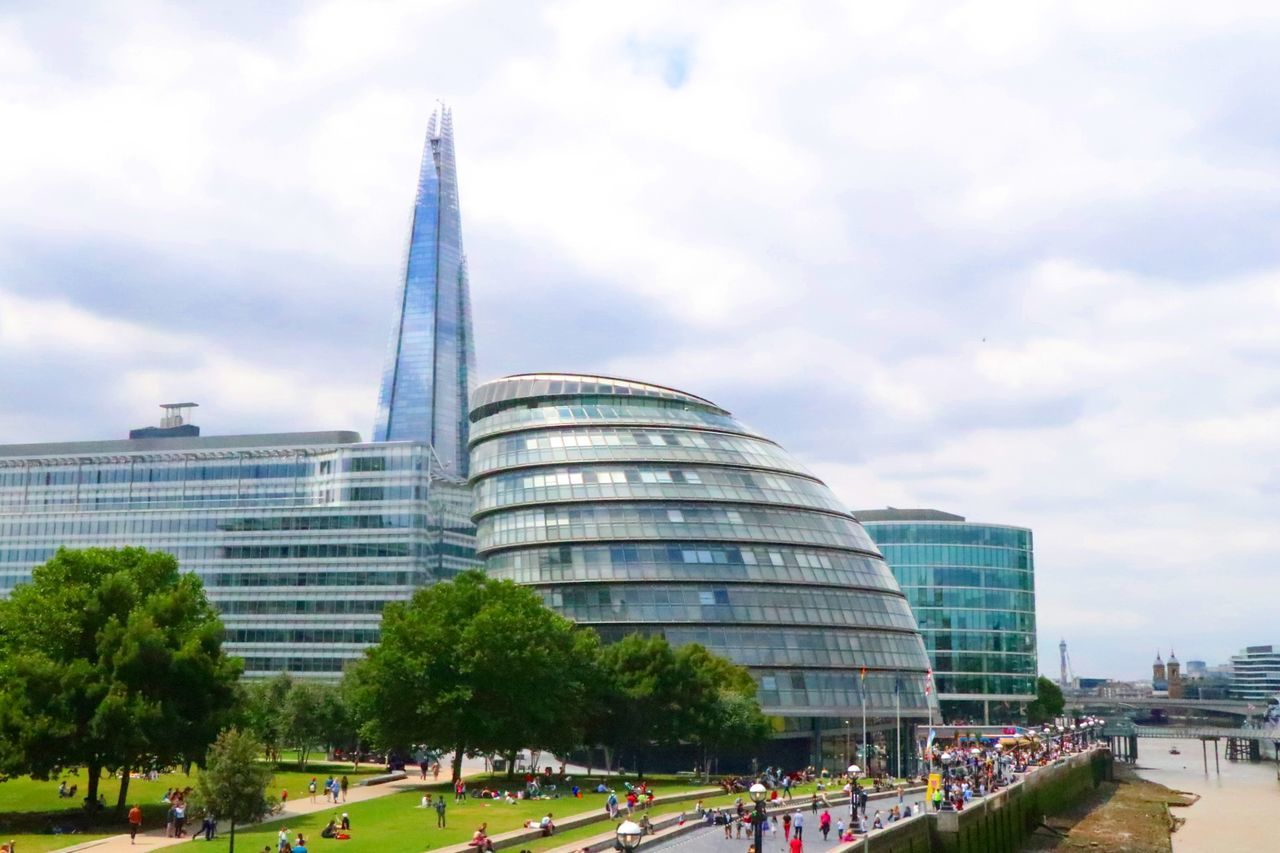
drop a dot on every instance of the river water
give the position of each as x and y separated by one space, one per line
1237 808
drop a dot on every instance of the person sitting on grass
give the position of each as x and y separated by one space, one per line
330 829
547 825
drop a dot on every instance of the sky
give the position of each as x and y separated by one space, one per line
1018 261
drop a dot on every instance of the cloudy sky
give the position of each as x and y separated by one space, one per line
1019 261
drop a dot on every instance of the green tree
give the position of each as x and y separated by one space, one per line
719 708
110 659
474 665
233 784
263 714
1048 703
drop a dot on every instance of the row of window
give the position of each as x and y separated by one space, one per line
987 599
302 635
716 484
987 684
265 665
817 646
313 579
291 605
629 445
1011 664
588 411
947 533
923 578
639 521
975 620
926 557
331 551
979 641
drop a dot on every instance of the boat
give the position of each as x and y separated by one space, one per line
1173 750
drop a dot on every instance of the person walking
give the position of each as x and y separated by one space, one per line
346 783
311 788
786 828
813 804
824 824
135 822
797 846
797 823
440 824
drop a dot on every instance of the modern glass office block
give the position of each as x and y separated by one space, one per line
972 589
431 357
300 538
636 508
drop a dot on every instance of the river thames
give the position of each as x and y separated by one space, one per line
1235 809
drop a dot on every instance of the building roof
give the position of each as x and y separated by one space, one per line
538 385
193 443
895 514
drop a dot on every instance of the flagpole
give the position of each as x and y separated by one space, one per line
862 692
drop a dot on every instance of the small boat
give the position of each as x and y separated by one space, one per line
1173 750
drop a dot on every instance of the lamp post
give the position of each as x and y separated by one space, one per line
758 795
629 834
854 772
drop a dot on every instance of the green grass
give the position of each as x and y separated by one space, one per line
30 809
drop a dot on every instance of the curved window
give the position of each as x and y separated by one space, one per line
689 561
676 522
607 444
605 410
621 482
775 605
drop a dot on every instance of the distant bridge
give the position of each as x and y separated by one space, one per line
1190 732
1220 706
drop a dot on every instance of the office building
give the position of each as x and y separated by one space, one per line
1255 674
631 507
972 589
299 538
431 358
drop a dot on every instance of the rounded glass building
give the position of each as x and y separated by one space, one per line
636 508
972 588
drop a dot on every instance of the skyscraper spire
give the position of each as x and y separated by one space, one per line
427 380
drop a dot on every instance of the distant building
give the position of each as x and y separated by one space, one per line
1174 671
1255 674
1196 669
1159 678
972 589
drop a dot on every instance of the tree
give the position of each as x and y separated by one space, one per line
1048 703
474 665
110 659
720 707
233 784
263 712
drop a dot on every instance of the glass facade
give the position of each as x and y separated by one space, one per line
635 508
431 358
300 539
972 590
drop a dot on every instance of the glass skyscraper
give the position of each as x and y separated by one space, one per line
431 358
300 538
972 589
631 507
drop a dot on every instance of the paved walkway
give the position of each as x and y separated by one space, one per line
154 838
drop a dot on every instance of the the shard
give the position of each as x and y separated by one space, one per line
427 381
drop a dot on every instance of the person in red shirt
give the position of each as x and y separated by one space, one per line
797 846
135 822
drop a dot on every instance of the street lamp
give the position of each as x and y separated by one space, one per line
758 794
854 772
629 834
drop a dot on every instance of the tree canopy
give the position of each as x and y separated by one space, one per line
233 783
110 659
475 665
1048 703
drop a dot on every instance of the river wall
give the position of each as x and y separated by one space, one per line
999 822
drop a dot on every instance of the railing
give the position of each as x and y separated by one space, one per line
1191 733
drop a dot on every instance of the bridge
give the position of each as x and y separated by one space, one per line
1243 744
1190 732
1220 706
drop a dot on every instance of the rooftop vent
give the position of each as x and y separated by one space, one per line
172 425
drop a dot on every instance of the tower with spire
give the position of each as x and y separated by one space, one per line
426 384
1173 670
1159 678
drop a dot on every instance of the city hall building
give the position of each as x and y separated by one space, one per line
631 507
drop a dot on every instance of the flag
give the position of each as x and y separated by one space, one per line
863 676
897 684
928 681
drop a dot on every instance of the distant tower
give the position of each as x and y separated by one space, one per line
426 385
1159 680
1175 676
1063 679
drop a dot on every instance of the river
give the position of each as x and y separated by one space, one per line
1236 808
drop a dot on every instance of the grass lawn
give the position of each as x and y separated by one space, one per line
396 824
31 809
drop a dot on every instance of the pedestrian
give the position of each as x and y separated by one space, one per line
797 823
346 783
135 822
840 829
797 846
824 824
282 840
440 824
311 788
786 827
813 804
